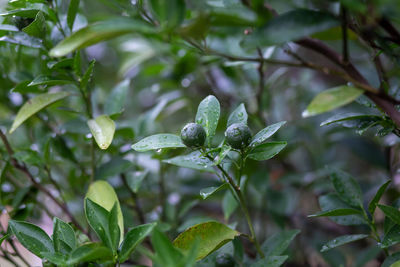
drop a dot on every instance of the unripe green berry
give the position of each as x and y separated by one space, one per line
224 260
193 135
238 135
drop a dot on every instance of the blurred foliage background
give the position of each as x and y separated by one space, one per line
152 83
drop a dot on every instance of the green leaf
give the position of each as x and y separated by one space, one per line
206 192
391 260
266 133
113 228
392 237
158 141
392 213
372 205
266 151
102 129
168 12
31 237
232 16
194 160
57 258
335 212
135 179
274 261
290 26
208 114
38 27
229 205
89 252
72 11
239 115
97 217
278 243
19 38
166 254
98 32
87 76
347 188
341 240
116 100
63 236
211 236
102 193
133 238
4 237
77 65
49 81
332 99
222 154
34 105
331 202
351 120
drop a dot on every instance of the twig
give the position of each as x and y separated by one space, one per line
40 187
345 49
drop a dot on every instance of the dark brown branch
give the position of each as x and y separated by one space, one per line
40 187
383 101
390 29
345 49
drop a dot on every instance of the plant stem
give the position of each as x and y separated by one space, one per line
374 234
243 206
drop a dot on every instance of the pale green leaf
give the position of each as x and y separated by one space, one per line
34 105
331 99
102 129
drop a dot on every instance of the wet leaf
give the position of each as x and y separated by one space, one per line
158 141
102 129
211 236
341 240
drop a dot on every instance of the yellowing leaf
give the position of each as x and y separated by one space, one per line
210 235
102 129
102 193
34 105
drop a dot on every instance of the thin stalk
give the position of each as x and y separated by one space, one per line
374 232
243 206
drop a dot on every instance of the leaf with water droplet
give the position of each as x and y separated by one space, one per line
208 114
391 238
31 237
239 115
266 151
103 129
206 192
158 141
265 133
347 188
194 160
341 240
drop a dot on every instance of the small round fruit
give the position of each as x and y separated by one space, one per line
224 260
193 135
238 135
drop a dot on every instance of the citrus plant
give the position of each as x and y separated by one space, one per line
81 81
